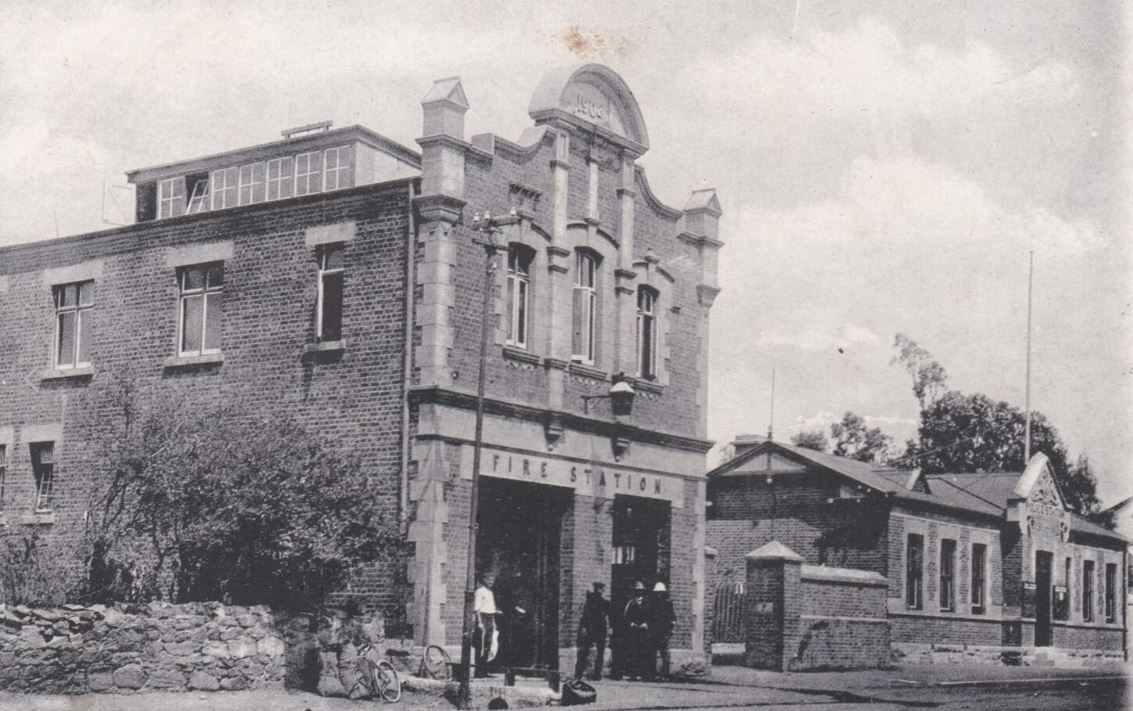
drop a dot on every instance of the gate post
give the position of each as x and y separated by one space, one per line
772 606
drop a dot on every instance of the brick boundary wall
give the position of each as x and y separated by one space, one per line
157 647
802 617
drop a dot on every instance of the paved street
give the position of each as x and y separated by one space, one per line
941 687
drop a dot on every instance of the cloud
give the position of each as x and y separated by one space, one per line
867 73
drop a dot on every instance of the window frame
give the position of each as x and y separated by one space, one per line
81 312
519 260
206 293
1088 590
647 319
251 183
341 169
978 582
586 266
172 198
914 574
285 169
947 574
1111 592
324 253
309 175
44 475
3 473
225 193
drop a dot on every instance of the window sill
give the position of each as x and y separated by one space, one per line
193 360
588 371
85 371
514 353
45 518
325 347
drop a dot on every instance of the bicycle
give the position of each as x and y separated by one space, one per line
378 679
435 664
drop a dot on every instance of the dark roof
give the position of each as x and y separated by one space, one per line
995 488
987 493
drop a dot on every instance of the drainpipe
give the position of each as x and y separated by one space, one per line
407 363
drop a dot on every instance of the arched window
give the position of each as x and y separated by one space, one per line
584 306
518 294
646 333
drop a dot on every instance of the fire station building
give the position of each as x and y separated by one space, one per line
334 276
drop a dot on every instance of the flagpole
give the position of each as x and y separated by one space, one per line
1027 405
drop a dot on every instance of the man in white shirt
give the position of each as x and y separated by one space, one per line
484 606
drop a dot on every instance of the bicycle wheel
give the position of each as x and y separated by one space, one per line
436 664
387 681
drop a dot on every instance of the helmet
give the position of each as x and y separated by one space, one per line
639 586
659 587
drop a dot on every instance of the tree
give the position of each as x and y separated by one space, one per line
928 375
973 433
853 439
815 440
224 504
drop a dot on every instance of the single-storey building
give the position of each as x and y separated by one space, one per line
989 566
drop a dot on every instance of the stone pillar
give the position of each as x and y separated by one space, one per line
700 227
440 207
772 606
558 275
625 355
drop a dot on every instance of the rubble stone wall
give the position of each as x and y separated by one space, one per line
138 648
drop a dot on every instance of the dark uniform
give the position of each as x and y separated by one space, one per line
635 628
662 617
592 629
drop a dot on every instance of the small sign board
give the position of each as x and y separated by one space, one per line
1030 592
764 608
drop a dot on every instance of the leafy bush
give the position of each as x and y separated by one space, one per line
224 504
32 572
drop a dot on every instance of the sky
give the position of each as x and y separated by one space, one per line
884 167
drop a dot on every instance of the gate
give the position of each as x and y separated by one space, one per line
728 613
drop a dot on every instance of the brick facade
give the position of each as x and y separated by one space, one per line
400 391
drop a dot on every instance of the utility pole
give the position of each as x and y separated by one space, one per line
487 228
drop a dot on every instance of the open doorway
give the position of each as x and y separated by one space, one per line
519 540
641 546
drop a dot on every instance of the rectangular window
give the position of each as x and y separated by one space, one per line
979 577
252 183
329 310
3 473
73 304
223 187
308 173
625 555
1088 590
336 168
171 197
199 197
201 308
1111 592
647 333
947 574
43 467
914 572
281 178
584 303
518 288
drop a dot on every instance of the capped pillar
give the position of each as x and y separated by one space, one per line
772 606
443 150
702 228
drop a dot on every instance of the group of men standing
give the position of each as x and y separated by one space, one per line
641 632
